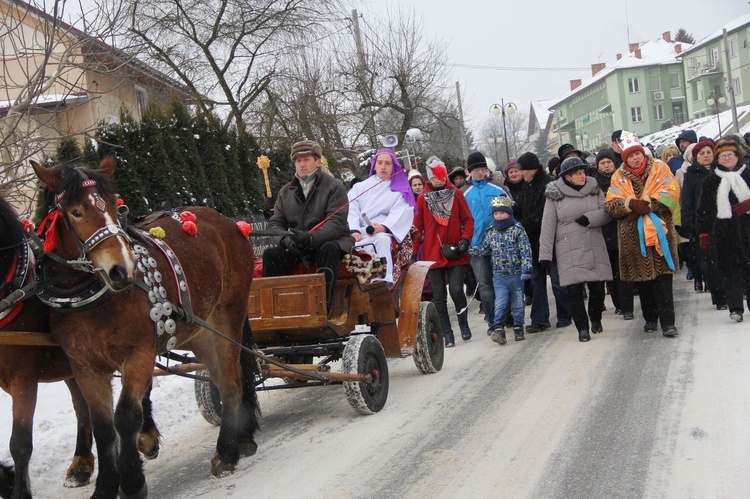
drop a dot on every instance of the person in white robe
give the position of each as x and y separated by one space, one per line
381 208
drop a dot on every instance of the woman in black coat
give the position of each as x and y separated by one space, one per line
723 222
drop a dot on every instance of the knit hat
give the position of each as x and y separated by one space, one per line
629 143
306 148
440 172
511 164
591 159
571 165
529 161
701 145
456 172
728 145
566 149
605 153
432 163
476 160
414 173
616 135
502 203
553 164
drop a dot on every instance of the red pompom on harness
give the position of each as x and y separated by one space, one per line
245 228
48 227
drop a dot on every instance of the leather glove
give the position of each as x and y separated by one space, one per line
525 277
742 207
704 241
301 239
583 220
639 206
287 243
463 245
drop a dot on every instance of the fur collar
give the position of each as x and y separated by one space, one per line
557 190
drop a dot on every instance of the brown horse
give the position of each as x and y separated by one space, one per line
214 266
23 367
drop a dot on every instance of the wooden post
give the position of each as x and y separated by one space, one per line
263 164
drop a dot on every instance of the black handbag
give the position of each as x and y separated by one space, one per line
451 252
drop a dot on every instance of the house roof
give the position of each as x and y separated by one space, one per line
654 52
542 111
731 26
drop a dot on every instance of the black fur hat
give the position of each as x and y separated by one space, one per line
529 161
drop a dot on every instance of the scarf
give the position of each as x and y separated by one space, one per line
573 186
440 204
730 181
502 225
638 171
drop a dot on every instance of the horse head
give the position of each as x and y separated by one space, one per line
85 202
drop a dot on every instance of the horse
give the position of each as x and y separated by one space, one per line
195 266
23 367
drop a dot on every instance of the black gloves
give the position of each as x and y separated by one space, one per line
301 239
463 245
583 220
287 243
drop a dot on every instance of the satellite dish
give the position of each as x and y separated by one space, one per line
389 141
413 134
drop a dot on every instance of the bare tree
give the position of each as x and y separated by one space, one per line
226 51
44 82
492 136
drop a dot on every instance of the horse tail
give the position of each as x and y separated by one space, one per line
7 478
250 372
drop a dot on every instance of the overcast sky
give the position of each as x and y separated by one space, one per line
547 35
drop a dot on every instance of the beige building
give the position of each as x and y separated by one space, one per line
57 81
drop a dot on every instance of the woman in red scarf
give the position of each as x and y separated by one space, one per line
643 195
444 228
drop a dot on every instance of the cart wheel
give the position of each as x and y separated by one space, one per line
429 349
208 399
363 354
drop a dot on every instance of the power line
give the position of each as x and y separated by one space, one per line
510 68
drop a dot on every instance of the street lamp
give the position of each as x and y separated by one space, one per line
504 109
715 101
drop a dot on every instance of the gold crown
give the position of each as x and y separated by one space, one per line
501 201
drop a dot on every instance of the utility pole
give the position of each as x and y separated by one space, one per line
464 146
730 86
362 75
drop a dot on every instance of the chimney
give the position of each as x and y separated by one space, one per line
574 84
667 36
638 53
633 46
678 48
619 56
595 68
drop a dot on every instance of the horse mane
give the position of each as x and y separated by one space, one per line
70 183
11 234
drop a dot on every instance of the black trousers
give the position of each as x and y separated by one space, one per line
736 283
657 301
277 261
622 291
455 285
578 306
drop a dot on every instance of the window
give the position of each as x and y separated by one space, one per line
733 46
674 80
633 86
635 114
694 88
736 86
714 56
655 82
141 98
658 112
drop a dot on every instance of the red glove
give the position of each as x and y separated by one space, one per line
704 240
742 207
639 206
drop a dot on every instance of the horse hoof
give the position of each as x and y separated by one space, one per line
220 468
148 445
248 448
77 479
80 471
141 494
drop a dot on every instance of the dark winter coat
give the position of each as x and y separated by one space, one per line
580 251
609 230
730 238
530 208
633 265
431 235
293 211
692 183
515 189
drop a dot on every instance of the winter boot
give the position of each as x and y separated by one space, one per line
596 327
498 336
463 323
583 335
518 332
450 341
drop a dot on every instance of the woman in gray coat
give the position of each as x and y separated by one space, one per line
571 233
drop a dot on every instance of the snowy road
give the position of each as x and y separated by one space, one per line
629 414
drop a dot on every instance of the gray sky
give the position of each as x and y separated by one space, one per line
546 34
